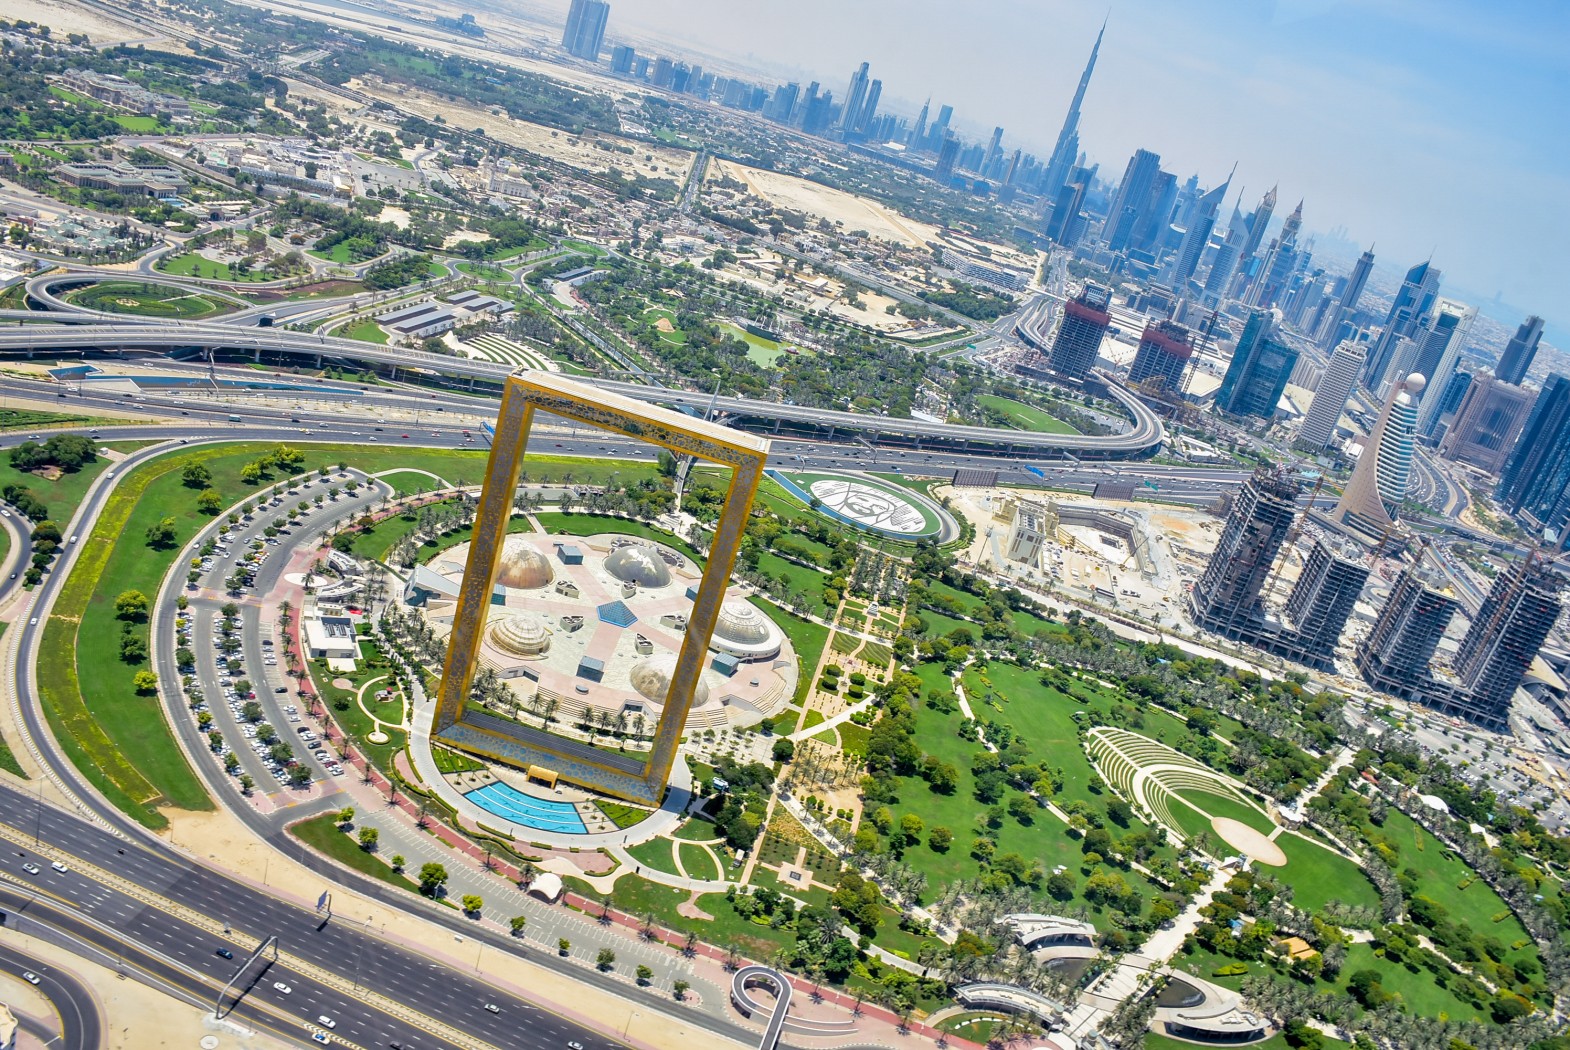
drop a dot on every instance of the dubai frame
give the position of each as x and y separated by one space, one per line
478 731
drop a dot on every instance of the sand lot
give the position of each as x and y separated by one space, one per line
580 151
837 206
68 18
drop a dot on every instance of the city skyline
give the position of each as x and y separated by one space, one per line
1374 125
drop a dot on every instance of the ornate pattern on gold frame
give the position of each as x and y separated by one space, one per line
518 745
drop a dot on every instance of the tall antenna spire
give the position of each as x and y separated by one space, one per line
1063 154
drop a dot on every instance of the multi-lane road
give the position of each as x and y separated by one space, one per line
80 1026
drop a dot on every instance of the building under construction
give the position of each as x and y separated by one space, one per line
1495 653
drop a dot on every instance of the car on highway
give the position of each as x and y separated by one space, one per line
30 977
284 988
61 868
326 1022
492 1008
224 953
30 868
574 1046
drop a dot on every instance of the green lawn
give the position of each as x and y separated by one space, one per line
656 854
582 524
1318 876
366 332
1419 990
449 761
64 494
806 637
351 718
26 419
140 125
322 834
194 265
801 579
339 253
700 863
697 831
1023 416
147 299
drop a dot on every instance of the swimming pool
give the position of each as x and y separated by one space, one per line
509 803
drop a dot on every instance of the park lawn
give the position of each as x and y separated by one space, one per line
449 761
802 580
941 625
148 299
1203 963
322 834
639 896
366 332
64 494
696 830
806 637
657 854
1420 991
1045 837
700 863
339 253
1025 417
1440 874
351 718
1318 876
140 125
1221 806
193 265
853 738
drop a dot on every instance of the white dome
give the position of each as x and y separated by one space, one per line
741 621
522 635
639 564
523 567
1416 382
652 679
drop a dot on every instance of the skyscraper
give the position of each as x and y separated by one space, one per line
1537 474
1132 199
994 154
1321 603
855 97
585 30
1163 354
1520 351
1277 263
1373 495
1258 371
1197 235
1439 352
623 58
943 170
1331 334
1505 637
1487 424
869 108
1411 304
1395 656
1324 412
1084 324
1256 224
1065 226
1226 598
1067 147
919 133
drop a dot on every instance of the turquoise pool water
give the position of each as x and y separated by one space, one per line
509 803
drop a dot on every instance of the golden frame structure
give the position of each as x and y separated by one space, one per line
518 745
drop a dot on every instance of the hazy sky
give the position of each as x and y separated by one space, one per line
1421 125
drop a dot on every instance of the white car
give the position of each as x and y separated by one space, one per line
326 1022
61 868
284 988
30 977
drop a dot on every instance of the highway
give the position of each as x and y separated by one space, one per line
1146 435
81 1026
